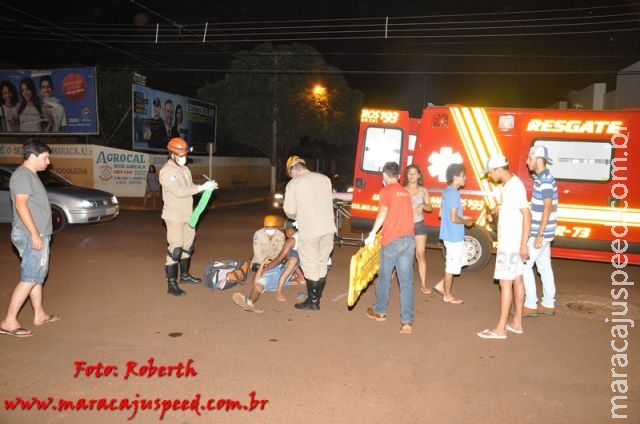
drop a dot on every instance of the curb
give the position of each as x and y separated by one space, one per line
214 204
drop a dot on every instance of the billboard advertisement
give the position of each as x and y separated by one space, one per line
47 101
159 116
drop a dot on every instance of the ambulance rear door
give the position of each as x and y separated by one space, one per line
384 136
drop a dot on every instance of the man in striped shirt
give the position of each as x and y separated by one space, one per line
544 205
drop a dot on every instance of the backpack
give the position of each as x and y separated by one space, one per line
223 274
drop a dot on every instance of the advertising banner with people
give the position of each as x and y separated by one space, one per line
49 101
159 116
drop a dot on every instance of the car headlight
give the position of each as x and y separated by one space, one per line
114 200
278 200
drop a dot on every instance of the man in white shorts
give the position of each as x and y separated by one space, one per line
512 253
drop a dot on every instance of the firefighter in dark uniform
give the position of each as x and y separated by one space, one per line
177 192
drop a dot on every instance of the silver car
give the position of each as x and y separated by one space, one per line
70 204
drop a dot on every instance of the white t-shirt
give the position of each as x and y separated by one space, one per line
57 112
513 198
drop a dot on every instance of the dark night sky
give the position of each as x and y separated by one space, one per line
493 53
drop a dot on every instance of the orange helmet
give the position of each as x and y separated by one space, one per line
294 160
178 146
271 221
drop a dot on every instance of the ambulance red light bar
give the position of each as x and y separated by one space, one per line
379 116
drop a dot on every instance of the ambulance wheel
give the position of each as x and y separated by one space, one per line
478 244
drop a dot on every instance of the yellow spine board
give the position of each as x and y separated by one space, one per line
363 268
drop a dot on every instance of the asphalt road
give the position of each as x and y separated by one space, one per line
331 366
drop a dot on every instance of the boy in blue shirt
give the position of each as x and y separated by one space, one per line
452 231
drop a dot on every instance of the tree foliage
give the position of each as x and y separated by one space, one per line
114 105
275 84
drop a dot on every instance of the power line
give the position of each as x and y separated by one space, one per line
328 36
267 71
72 36
464 29
297 30
329 24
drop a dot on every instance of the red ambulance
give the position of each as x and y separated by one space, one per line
596 163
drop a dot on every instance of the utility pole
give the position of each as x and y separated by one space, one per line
424 93
274 124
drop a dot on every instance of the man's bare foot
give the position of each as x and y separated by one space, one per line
10 324
16 332
492 334
516 329
13 328
280 297
46 320
425 290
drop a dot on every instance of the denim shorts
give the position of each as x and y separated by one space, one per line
419 229
35 263
269 280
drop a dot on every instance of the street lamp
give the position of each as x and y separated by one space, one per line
319 92
318 96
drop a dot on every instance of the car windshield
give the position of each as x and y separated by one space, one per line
51 180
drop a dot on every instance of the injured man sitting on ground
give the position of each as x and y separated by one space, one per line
275 273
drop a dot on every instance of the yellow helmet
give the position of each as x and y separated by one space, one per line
294 160
271 221
178 146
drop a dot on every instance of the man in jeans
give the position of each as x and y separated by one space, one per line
395 217
544 205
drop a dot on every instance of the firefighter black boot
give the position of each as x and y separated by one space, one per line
172 276
312 302
185 277
321 283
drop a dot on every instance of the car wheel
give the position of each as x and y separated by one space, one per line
58 218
